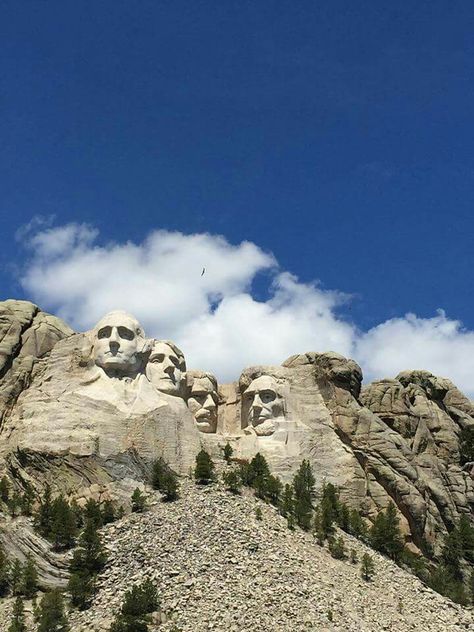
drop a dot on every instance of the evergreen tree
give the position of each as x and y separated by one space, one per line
232 481
259 468
88 559
303 486
273 490
318 530
29 581
258 513
90 554
343 517
4 489
246 474
287 501
139 602
471 586
452 553
18 617
385 534
337 548
466 445
367 567
14 504
27 500
357 525
16 577
228 451
138 501
63 529
466 534
170 488
51 614
204 470
43 518
159 470
92 513
108 512
5 568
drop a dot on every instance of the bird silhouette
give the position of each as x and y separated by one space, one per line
203 270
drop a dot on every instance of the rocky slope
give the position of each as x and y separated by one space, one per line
219 568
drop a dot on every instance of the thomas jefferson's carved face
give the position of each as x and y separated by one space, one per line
165 369
202 402
116 342
263 400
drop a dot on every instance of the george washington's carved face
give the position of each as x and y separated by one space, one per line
118 341
202 402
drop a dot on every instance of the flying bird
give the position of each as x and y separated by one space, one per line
203 270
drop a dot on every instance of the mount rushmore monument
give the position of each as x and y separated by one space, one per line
94 409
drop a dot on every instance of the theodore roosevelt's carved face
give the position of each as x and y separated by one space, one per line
264 404
166 367
203 400
118 341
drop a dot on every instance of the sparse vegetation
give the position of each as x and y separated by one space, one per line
139 602
204 470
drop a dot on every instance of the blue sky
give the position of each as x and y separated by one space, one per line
336 135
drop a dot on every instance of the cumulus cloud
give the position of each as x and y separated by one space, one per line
216 318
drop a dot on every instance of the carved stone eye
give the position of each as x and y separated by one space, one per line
104 332
126 333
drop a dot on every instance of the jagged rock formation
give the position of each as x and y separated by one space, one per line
81 410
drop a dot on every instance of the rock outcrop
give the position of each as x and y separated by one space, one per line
79 410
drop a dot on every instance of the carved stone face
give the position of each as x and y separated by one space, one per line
118 339
165 368
202 402
265 404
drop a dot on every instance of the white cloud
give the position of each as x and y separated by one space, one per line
215 318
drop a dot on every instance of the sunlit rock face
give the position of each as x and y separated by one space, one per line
98 407
91 400
203 400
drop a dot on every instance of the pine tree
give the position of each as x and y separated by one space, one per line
43 519
92 513
170 486
138 501
367 567
18 617
139 602
27 500
318 530
5 568
108 512
4 489
14 504
343 517
159 470
63 529
303 486
246 474
16 577
273 490
232 481
29 581
228 451
471 586
204 470
88 559
51 614
337 548
452 553
259 467
357 525
385 534
466 534
287 501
